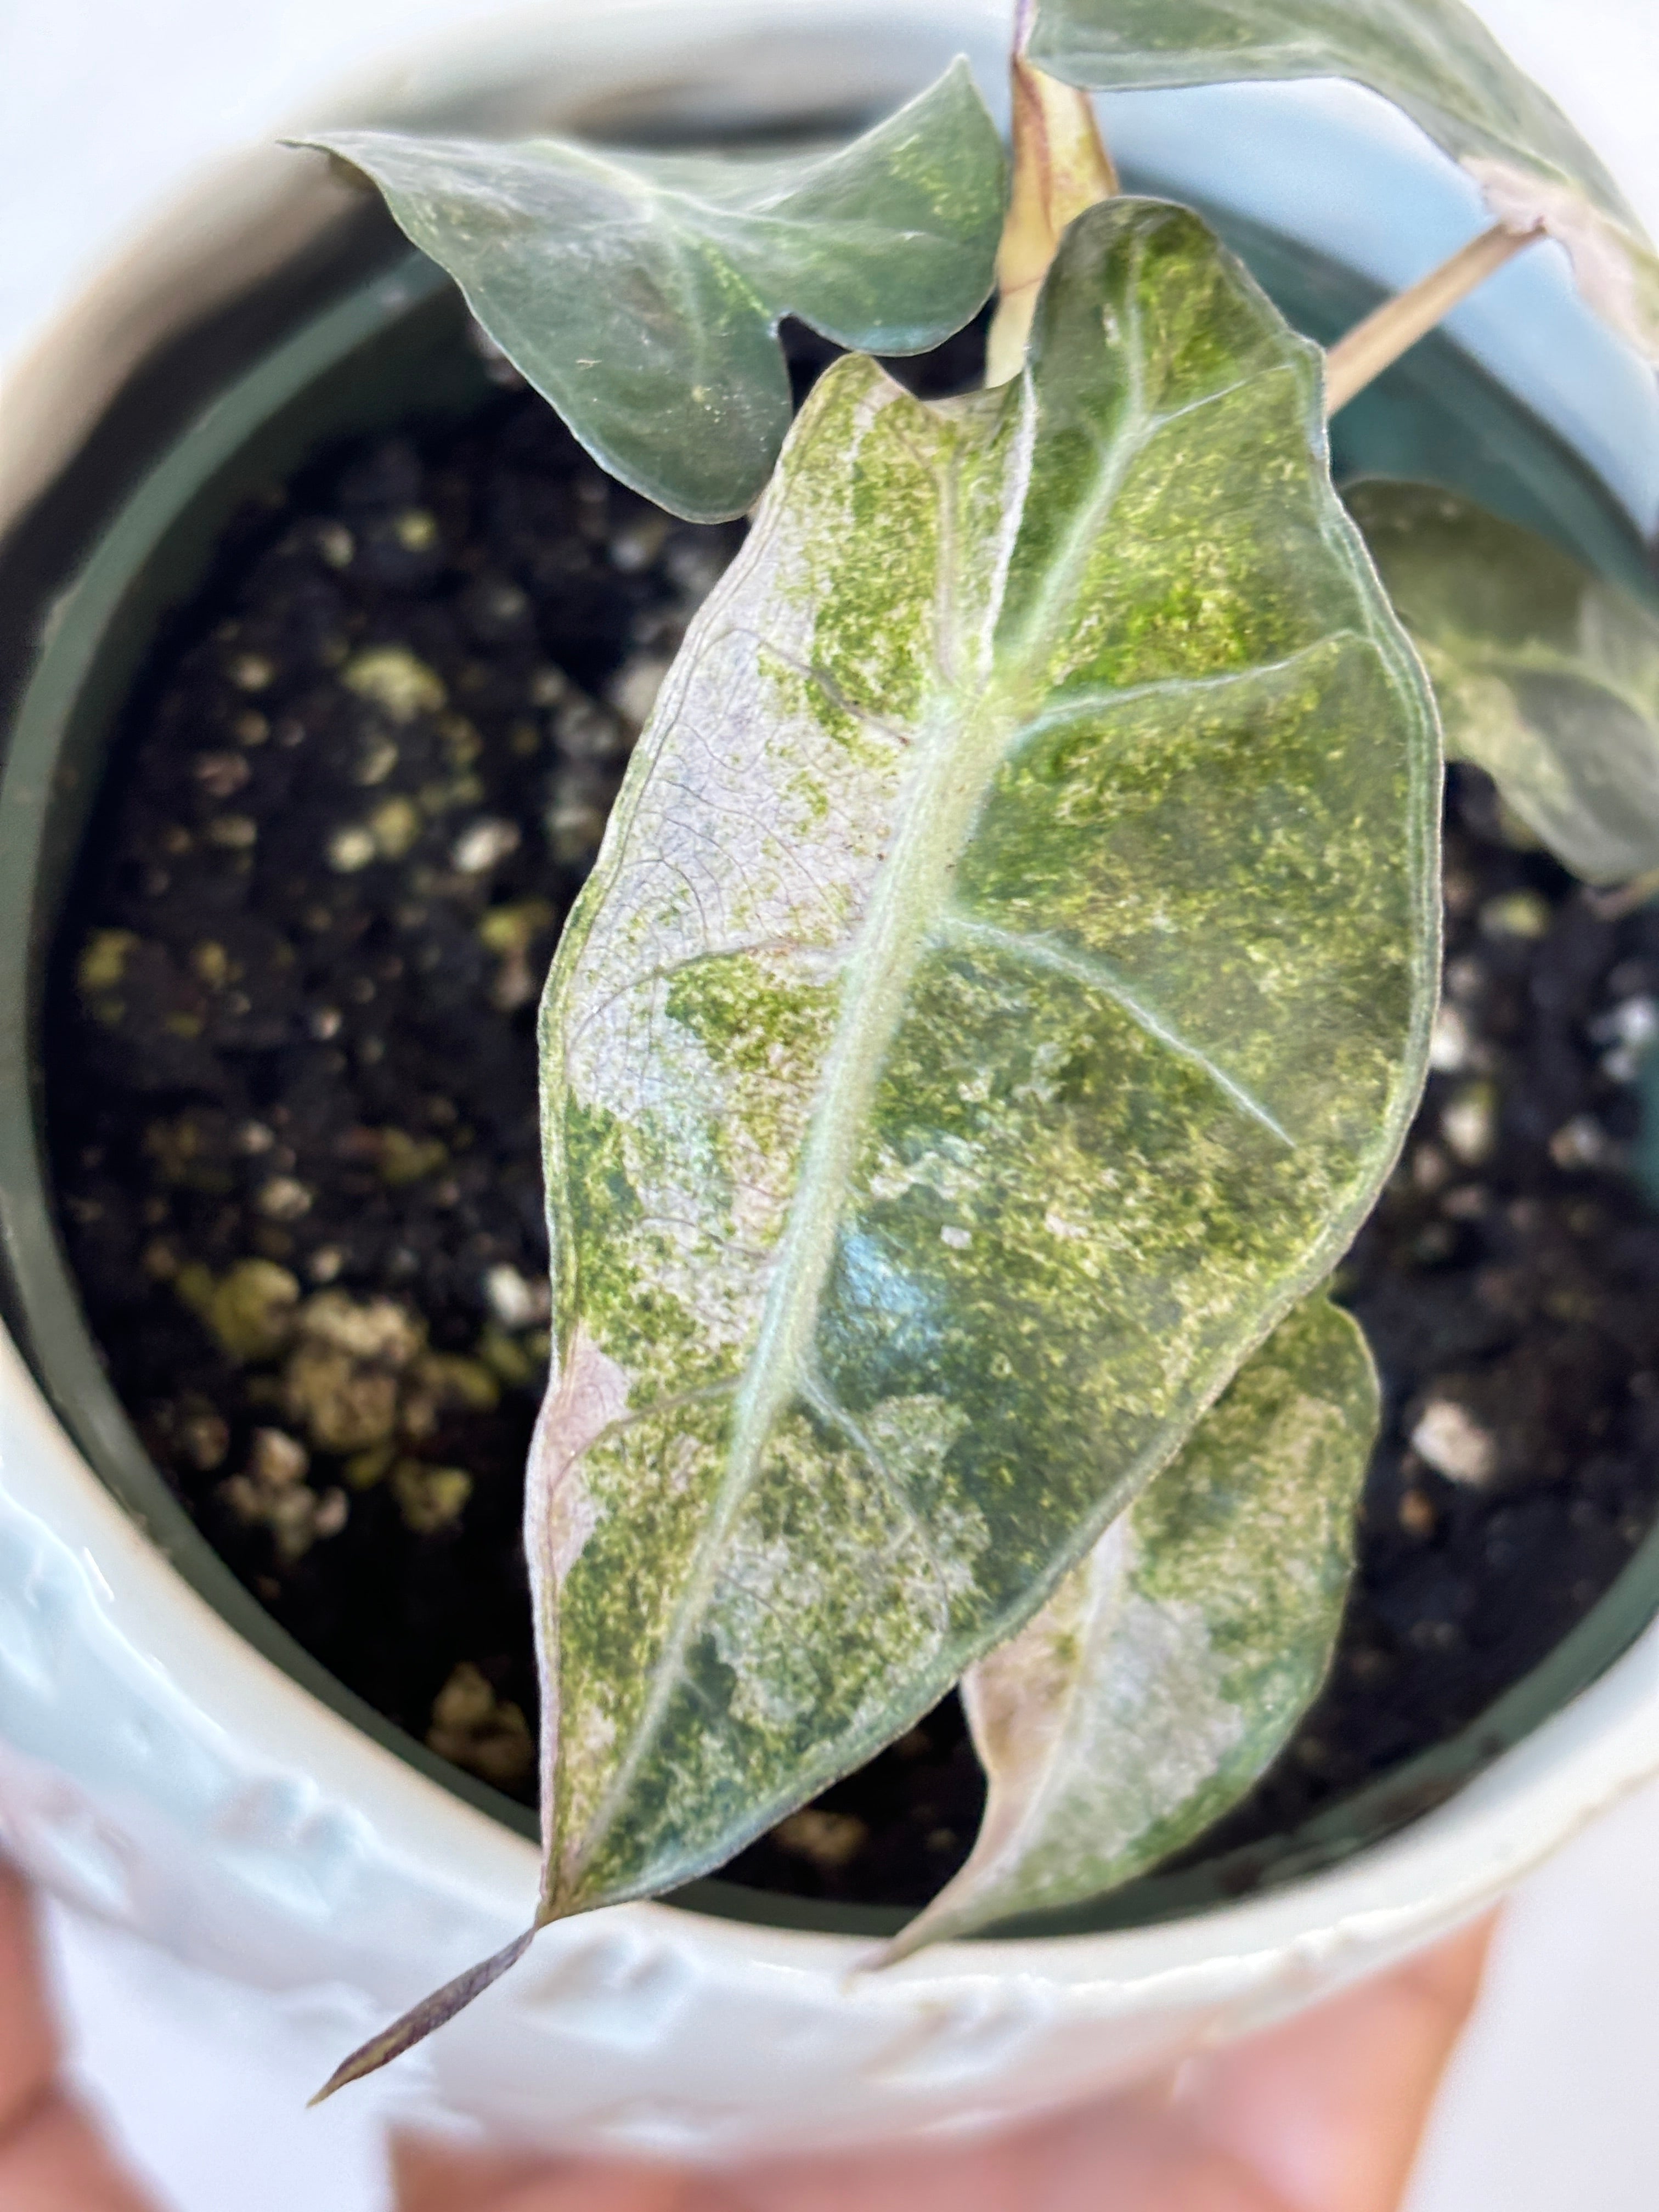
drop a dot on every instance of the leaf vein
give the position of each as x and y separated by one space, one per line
1098 973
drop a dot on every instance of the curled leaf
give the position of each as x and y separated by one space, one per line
640 293
1434 60
1168 1670
1547 675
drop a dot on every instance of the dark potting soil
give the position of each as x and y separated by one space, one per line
291 1105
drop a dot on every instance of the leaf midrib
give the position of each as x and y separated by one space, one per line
678 209
938 809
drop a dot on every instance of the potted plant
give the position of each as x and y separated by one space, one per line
1008 1393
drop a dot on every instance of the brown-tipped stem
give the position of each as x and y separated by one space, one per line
418 2023
1061 168
1377 343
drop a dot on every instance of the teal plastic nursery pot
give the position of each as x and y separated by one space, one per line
171 1758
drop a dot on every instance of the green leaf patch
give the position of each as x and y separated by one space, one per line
1434 60
641 294
1547 675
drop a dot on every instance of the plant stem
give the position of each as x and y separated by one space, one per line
1613 904
1061 168
1377 343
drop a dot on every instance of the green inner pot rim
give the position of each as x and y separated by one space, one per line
390 349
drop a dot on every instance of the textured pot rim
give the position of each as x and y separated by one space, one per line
1387 1900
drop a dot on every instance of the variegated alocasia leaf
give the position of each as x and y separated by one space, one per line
1166 1672
1547 675
999 994
1432 58
641 294
1003 989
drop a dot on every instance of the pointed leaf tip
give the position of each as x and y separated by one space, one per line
418 2023
640 293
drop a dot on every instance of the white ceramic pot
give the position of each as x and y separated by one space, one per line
159 1770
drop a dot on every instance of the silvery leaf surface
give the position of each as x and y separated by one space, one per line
1433 58
1167 1671
1547 675
641 295
1003 989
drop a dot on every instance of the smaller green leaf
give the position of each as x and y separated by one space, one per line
1167 1671
1547 675
641 294
1436 61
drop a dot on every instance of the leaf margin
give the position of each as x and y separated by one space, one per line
1477 680
950 110
1564 188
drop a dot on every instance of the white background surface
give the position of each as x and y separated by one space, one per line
106 107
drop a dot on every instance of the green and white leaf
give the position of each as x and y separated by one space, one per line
641 294
1003 989
1168 1671
1433 58
1547 675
